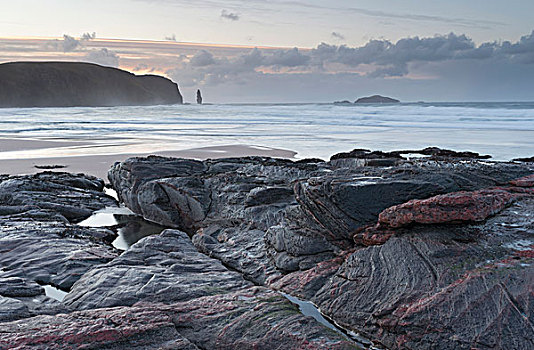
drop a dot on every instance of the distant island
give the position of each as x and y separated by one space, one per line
377 99
73 84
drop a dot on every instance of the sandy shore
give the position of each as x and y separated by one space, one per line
98 165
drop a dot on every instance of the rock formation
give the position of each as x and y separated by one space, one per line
450 262
376 99
70 84
165 292
410 254
199 97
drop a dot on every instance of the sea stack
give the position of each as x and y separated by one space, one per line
199 97
75 84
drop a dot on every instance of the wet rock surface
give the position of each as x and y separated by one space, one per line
252 318
161 268
452 267
39 242
165 292
410 254
459 286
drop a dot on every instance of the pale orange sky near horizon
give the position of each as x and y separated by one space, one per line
157 54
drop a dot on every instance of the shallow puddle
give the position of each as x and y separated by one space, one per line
105 217
54 293
307 308
130 228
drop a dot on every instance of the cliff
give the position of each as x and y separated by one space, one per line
73 84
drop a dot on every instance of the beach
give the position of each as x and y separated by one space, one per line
28 156
352 206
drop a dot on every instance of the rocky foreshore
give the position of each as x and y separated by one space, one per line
410 253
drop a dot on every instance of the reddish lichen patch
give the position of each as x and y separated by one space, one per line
453 207
526 181
372 235
519 191
526 253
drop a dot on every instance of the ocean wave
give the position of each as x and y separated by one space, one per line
311 129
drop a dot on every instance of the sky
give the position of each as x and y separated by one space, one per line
291 51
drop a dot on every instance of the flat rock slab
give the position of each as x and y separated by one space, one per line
75 197
163 268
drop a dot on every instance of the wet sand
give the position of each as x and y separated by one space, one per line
98 165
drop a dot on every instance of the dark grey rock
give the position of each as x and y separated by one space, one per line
462 287
75 197
163 268
38 243
252 318
290 225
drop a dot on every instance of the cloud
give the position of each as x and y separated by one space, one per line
140 66
375 60
206 69
393 59
103 57
69 43
286 58
521 51
88 36
229 15
171 38
202 58
337 36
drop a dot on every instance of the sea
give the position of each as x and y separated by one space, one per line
503 130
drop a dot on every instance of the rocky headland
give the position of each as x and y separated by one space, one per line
402 253
73 84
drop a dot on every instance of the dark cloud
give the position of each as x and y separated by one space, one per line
103 57
376 59
337 36
286 58
393 59
206 69
521 51
141 66
229 15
